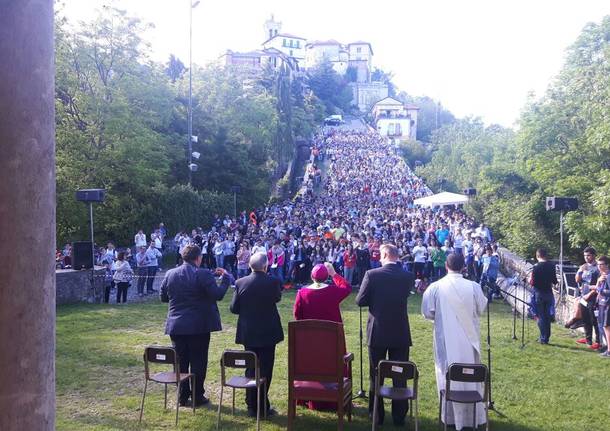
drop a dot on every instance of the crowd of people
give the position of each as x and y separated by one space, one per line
355 225
366 199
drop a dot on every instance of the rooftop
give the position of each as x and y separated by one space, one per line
362 42
290 36
324 42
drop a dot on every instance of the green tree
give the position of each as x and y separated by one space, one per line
110 104
175 68
331 88
381 75
431 115
564 138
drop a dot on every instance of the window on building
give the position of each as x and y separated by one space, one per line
298 44
359 49
291 53
291 41
270 33
284 43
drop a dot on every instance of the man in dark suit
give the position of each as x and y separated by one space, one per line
385 291
192 293
259 327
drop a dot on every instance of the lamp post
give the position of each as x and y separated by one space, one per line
191 168
235 190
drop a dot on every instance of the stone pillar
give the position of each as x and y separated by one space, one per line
27 216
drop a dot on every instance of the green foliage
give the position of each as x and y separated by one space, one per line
380 75
414 151
175 68
460 149
184 207
351 74
564 139
110 105
431 115
561 149
331 88
122 126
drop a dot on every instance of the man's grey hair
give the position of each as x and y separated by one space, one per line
259 261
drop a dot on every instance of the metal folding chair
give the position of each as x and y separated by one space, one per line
165 355
466 373
398 371
242 359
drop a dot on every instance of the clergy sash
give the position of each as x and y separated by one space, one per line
464 314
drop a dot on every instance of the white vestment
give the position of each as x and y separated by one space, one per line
455 305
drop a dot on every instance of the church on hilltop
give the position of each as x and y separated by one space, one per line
300 54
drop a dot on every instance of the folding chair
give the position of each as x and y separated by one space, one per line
165 355
397 371
466 373
242 359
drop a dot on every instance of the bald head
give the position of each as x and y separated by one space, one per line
389 253
258 262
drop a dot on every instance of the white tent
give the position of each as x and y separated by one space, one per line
440 199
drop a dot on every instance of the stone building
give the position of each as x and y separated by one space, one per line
298 54
394 119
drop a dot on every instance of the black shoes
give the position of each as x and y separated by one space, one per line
270 412
199 403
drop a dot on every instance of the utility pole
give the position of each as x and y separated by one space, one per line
190 109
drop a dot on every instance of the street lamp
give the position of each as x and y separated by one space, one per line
192 167
235 190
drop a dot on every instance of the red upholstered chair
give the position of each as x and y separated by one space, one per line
316 367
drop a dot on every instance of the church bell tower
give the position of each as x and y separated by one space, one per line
272 27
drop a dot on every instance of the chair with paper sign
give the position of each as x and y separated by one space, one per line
475 374
241 359
400 372
165 355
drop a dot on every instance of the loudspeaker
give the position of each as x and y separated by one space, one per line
82 257
554 203
90 195
470 191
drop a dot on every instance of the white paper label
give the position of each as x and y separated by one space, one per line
469 371
240 362
160 357
396 369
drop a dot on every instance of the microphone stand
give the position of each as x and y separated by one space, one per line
523 303
491 405
361 393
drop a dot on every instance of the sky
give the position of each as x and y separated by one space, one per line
478 58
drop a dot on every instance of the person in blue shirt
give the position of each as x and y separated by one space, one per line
489 274
442 234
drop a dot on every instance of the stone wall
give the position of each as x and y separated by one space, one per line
515 271
74 286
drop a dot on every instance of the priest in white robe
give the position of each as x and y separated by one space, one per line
456 304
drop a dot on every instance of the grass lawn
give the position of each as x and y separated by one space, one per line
100 374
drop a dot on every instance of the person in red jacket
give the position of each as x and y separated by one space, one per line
321 301
349 263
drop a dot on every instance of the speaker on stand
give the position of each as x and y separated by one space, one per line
561 204
82 257
89 196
